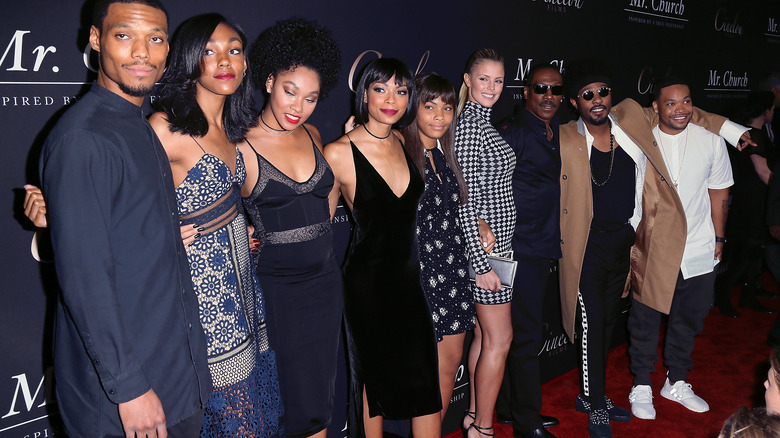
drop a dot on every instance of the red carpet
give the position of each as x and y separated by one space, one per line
731 361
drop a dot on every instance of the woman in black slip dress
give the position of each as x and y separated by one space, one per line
392 344
286 197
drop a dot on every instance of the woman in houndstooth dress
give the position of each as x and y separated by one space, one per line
488 162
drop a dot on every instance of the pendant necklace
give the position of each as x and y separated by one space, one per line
611 158
675 181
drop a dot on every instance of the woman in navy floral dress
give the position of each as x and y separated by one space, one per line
444 271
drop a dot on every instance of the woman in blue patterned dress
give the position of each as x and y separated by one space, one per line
430 142
488 162
206 98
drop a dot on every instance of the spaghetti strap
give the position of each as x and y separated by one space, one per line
307 132
250 145
196 142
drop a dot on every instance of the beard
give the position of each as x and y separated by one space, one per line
137 91
596 121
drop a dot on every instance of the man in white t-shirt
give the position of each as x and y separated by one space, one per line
699 169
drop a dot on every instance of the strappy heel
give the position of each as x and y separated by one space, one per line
464 430
483 430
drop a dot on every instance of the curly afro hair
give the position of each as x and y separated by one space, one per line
292 43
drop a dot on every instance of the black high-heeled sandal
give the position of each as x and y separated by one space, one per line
481 430
464 430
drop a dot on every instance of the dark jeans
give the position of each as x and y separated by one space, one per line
691 303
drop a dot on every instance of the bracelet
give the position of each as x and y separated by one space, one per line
720 239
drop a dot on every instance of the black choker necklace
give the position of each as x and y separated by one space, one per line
269 126
375 136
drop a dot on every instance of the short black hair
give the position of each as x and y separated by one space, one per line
667 81
585 71
535 68
756 103
292 43
177 90
100 9
381 70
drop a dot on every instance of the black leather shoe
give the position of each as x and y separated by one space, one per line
500 419
598 424
616 413
548 421
539 432
754 304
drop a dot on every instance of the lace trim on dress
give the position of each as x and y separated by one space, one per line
295 235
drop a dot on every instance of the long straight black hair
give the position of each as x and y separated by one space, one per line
177 91
431 86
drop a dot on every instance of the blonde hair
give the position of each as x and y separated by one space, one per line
476 58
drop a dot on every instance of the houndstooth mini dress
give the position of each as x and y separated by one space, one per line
487 162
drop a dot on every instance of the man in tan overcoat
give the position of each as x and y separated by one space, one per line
655 257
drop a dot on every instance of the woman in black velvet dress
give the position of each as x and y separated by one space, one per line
392 344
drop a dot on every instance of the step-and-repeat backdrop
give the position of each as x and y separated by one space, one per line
725 47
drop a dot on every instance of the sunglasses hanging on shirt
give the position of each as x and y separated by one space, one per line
589 95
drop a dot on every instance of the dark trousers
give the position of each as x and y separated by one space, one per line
521 390
602 280
186 428
692 302
746 262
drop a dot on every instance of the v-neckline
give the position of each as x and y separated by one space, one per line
313 173
373 169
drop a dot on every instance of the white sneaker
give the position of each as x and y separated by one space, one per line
682 393
641 399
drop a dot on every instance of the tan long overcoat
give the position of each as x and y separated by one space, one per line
661 234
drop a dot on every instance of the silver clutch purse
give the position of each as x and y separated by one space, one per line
503 265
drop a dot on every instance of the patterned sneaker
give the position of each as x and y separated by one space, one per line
682 393
616 413
641 399
598 424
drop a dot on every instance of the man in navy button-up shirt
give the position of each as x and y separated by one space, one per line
533 135
130 354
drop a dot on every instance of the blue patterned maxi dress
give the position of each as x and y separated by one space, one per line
245 401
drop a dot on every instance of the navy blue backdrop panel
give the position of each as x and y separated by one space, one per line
724 47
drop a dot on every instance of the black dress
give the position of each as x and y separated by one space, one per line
391 339
299 273
443 260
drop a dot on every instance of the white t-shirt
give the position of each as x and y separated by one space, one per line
697 161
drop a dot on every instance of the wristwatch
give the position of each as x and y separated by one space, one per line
720 239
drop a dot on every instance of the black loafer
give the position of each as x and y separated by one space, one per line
539 432
548 421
